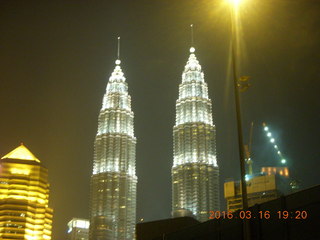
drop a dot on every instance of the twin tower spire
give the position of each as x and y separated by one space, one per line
195 173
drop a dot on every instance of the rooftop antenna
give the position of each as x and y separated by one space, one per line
192 48
118 53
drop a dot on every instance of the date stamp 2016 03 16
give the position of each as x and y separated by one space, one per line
299 215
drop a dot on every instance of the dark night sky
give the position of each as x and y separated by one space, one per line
56 57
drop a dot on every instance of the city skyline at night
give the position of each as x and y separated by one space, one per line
56 58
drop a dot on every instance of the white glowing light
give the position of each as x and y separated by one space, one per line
81 224
234 2
247 177
19 171
192 50
118 62
272 140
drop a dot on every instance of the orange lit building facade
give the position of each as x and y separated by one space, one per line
24 197
282 171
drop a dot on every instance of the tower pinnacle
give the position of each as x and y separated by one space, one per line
118 54
191 31
192 49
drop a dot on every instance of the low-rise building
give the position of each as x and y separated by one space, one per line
78 229
260 188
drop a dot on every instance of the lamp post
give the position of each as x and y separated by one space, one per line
233 10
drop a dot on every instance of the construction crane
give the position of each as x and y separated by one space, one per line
247 149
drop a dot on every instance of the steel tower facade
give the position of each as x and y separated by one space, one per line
195 172
114 181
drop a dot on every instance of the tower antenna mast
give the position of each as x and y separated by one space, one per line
118 48
191 29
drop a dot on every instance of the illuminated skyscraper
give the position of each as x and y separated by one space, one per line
195 172
78 229
114 181
24 197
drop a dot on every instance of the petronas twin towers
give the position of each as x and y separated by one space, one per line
195 172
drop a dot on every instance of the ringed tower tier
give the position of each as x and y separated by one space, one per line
195 172
114 181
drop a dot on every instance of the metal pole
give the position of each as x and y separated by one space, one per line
246 229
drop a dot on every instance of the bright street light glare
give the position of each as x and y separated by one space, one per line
283 161
234 2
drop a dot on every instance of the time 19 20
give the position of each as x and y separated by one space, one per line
261 215
292 215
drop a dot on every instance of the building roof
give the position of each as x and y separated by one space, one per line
155 229
22 153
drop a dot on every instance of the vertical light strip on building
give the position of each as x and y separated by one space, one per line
195 172
114 181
